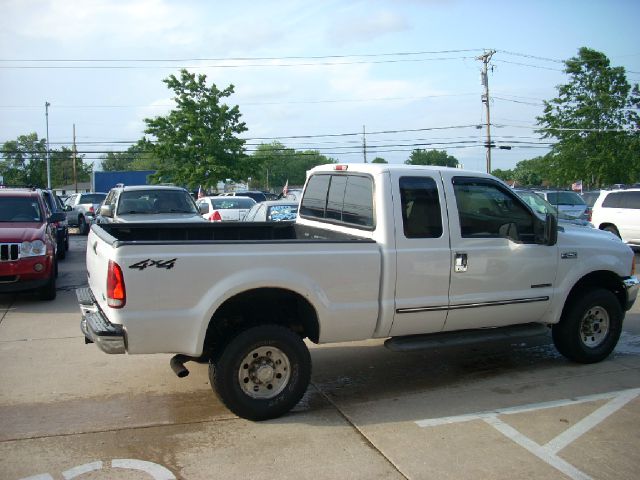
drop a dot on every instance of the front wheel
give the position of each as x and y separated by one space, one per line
48 291
262 373
590 327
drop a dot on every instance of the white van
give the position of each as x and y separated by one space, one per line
618 211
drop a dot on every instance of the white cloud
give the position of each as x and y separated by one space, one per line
119 21
356 29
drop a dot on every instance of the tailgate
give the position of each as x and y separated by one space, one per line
98 255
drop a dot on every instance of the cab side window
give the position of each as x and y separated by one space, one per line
421 216
487 210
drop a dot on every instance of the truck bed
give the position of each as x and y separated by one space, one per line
153 233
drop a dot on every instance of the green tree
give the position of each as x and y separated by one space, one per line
502 174
24 161
594 119
534 171
136 157
431 157
273 164
379 160
62 168
196 143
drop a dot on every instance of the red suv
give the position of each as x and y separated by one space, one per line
27 243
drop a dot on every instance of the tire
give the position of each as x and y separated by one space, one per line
61 251
590 326
261 373
612 229
83 228
48 292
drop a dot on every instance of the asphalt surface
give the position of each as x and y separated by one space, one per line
503 410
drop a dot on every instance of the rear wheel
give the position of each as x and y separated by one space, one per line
61 250
261 373
590 327
83 228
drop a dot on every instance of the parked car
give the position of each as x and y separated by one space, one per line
81 209
272 211
224 209
618 212
148 203
567 202
293 194
541 206
62 227
27 243
256 195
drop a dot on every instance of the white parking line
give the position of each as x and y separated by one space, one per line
547 453
156 471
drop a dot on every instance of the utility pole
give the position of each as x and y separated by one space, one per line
73 156
364 144
46 114
485 59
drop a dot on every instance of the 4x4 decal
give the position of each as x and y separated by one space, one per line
166 264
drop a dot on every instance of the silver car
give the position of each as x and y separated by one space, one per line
81 209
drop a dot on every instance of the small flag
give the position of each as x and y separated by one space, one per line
577 186
200 192
285 189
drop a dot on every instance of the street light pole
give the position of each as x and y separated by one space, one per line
46 114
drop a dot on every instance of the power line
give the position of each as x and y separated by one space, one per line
292 102
246 65
220 59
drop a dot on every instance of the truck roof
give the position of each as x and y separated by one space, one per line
388 167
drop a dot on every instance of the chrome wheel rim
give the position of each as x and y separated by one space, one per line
264 372
594 326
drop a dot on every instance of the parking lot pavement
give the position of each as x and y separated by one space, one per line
502 410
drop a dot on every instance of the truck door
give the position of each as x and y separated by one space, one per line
423 255
499 274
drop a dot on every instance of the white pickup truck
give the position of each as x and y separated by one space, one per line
419 255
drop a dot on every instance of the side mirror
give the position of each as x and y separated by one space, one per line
57 217
67 208
203 208
105 211
550 229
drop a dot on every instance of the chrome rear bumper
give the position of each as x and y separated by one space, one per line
109 337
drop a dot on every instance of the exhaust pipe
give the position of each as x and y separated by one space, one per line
177 365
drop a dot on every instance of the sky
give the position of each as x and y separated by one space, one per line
311 75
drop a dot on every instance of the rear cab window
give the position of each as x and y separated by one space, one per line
343 199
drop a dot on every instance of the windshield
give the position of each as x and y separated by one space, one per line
564 198
156 201
227 203
540 205
19 209
92 198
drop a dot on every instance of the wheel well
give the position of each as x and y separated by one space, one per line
601 279
604 225
258 307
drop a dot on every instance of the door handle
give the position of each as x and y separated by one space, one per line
460 264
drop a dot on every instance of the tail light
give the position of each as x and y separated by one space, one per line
91 209
215 216
116 292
